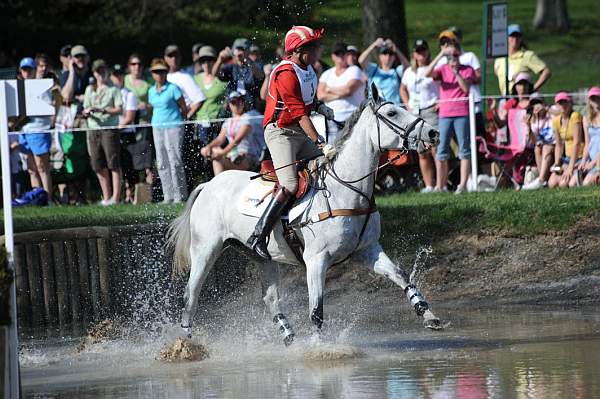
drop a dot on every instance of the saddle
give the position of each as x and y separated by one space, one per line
267 170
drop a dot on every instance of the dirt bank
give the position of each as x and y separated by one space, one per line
487 267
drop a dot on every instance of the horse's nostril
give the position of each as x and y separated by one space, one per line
433 134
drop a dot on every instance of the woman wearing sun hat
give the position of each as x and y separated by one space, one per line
168 110
591 130
568 133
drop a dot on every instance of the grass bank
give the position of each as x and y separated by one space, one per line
428 216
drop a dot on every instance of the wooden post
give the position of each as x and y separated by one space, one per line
36 293
94 278
49 284
23 291
103 255
84 282
74 286
62 287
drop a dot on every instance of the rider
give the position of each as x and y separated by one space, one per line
289 132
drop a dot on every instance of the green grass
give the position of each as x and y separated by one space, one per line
572 57
431 216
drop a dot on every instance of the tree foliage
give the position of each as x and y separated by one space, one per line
117 26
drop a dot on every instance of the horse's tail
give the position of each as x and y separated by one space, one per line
179 235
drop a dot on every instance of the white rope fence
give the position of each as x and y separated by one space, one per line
218 120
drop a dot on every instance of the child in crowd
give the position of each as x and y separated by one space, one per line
591 129
539 122
568 133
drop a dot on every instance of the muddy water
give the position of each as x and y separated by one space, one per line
490 353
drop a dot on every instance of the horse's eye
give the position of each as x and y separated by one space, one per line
391 113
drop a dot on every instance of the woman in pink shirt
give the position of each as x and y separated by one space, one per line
455 80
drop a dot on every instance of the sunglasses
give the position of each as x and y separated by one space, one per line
236 101
135 63
339 53
159 71
388 53
172 55
80 56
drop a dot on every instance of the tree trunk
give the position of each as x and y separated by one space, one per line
551 15
387 19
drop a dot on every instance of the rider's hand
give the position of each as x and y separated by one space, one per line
326 111
329 151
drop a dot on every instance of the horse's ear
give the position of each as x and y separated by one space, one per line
374 93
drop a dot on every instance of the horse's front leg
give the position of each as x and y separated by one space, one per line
316 267
269 277
381 264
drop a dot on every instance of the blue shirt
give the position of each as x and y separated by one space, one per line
164 104
388 83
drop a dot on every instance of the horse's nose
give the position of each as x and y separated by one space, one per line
433 134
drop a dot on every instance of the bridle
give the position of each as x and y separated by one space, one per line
328 169
403 132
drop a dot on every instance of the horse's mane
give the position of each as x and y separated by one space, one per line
349 125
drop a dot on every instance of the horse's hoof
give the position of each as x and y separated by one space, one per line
288 339
187 332
434 324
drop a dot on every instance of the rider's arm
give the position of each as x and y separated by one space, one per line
306 124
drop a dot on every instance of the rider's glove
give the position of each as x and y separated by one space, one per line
329 151
325 111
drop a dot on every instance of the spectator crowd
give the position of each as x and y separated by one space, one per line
120 124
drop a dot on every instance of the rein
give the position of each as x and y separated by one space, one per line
397 129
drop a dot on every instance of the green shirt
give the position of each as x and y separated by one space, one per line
106 97
215 97
140 88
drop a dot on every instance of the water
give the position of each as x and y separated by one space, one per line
509 352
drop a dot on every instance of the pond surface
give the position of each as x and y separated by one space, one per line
508 352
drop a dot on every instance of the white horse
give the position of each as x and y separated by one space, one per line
211 217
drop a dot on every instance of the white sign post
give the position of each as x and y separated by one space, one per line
16 98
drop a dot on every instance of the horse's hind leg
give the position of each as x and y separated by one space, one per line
269 276
380 263
203 257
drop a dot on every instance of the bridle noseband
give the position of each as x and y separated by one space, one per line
403 132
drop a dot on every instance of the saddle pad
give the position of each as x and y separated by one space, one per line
258 193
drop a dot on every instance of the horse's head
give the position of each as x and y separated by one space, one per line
398 128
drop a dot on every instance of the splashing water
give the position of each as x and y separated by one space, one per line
421 259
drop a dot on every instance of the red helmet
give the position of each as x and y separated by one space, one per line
298 36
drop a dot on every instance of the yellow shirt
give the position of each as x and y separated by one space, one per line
567 134
521 61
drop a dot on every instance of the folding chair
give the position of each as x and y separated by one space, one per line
512 157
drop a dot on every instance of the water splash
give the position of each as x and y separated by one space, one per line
419 265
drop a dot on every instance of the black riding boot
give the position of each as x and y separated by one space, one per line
258 239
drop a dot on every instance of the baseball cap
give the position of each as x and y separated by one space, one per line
514 28
172 48
78 50
385 49
207 51
234 95
158 64
118 70
98 64
562 96
339 48
536 98
522 76
254 49
27 62
457 32
448 34
242 43
65 50
352 48
594 91
196 47
420 44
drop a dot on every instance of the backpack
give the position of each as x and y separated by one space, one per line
38 196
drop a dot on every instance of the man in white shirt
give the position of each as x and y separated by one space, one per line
342 88
194 98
